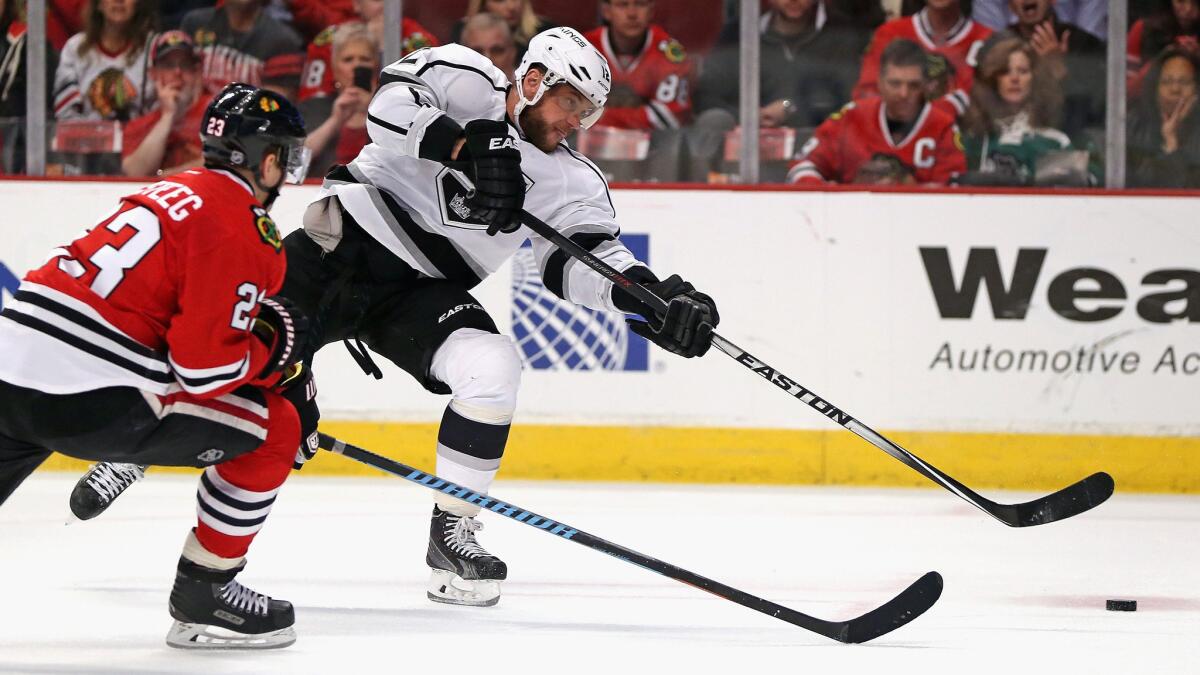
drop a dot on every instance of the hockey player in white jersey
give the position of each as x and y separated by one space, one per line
396 239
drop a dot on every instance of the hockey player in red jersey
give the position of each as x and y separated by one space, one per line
896 138
154 338
941 28
651 72
316 79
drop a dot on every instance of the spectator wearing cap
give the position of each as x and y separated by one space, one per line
339 125
490 35
239 42
167 140
102 72
318 80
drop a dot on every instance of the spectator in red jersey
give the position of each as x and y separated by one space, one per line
339 125
651 72
239 42
1163 138
524 22
1010 128
167 140
102 71
896 138
490 35
318 75
1175 22
940 27
1072 56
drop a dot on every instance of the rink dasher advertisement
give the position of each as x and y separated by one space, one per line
934 315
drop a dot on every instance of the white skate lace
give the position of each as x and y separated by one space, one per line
109 479
244 599
460 536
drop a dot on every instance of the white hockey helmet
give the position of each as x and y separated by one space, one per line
568 58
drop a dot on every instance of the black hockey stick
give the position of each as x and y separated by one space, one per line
903 608
1069 501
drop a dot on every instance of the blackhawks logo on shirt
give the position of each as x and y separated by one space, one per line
673 51
204 37
112 94
266 228
416 41
325 37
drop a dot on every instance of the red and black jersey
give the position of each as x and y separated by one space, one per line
932 150
660 74
317 77
159 295
961 49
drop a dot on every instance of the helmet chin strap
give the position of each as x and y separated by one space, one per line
523 102
272 192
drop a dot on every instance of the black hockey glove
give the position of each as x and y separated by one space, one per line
284 329
687 327
300 389
494 164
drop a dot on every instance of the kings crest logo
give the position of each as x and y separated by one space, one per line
8 284
553 334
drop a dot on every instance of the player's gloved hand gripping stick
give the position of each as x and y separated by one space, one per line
1071 500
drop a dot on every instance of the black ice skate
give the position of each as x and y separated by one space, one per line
212 611
463 572
102 484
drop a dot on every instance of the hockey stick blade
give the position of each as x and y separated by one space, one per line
1071 501
897 612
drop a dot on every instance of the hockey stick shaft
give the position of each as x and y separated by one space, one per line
772 375
906 607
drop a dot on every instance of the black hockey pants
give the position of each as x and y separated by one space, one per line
123 424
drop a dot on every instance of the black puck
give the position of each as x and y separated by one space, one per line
1121 605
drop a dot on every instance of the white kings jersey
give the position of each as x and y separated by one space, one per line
413 205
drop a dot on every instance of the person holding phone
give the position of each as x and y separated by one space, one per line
339 124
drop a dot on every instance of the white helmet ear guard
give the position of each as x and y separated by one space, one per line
568 59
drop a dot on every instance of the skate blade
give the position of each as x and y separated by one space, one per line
449 588
202 636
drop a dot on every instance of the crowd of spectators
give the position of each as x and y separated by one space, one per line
976 92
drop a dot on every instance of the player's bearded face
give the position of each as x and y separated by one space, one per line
554 117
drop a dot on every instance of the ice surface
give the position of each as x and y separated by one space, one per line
91 597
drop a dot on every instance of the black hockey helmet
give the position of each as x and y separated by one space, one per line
243 122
